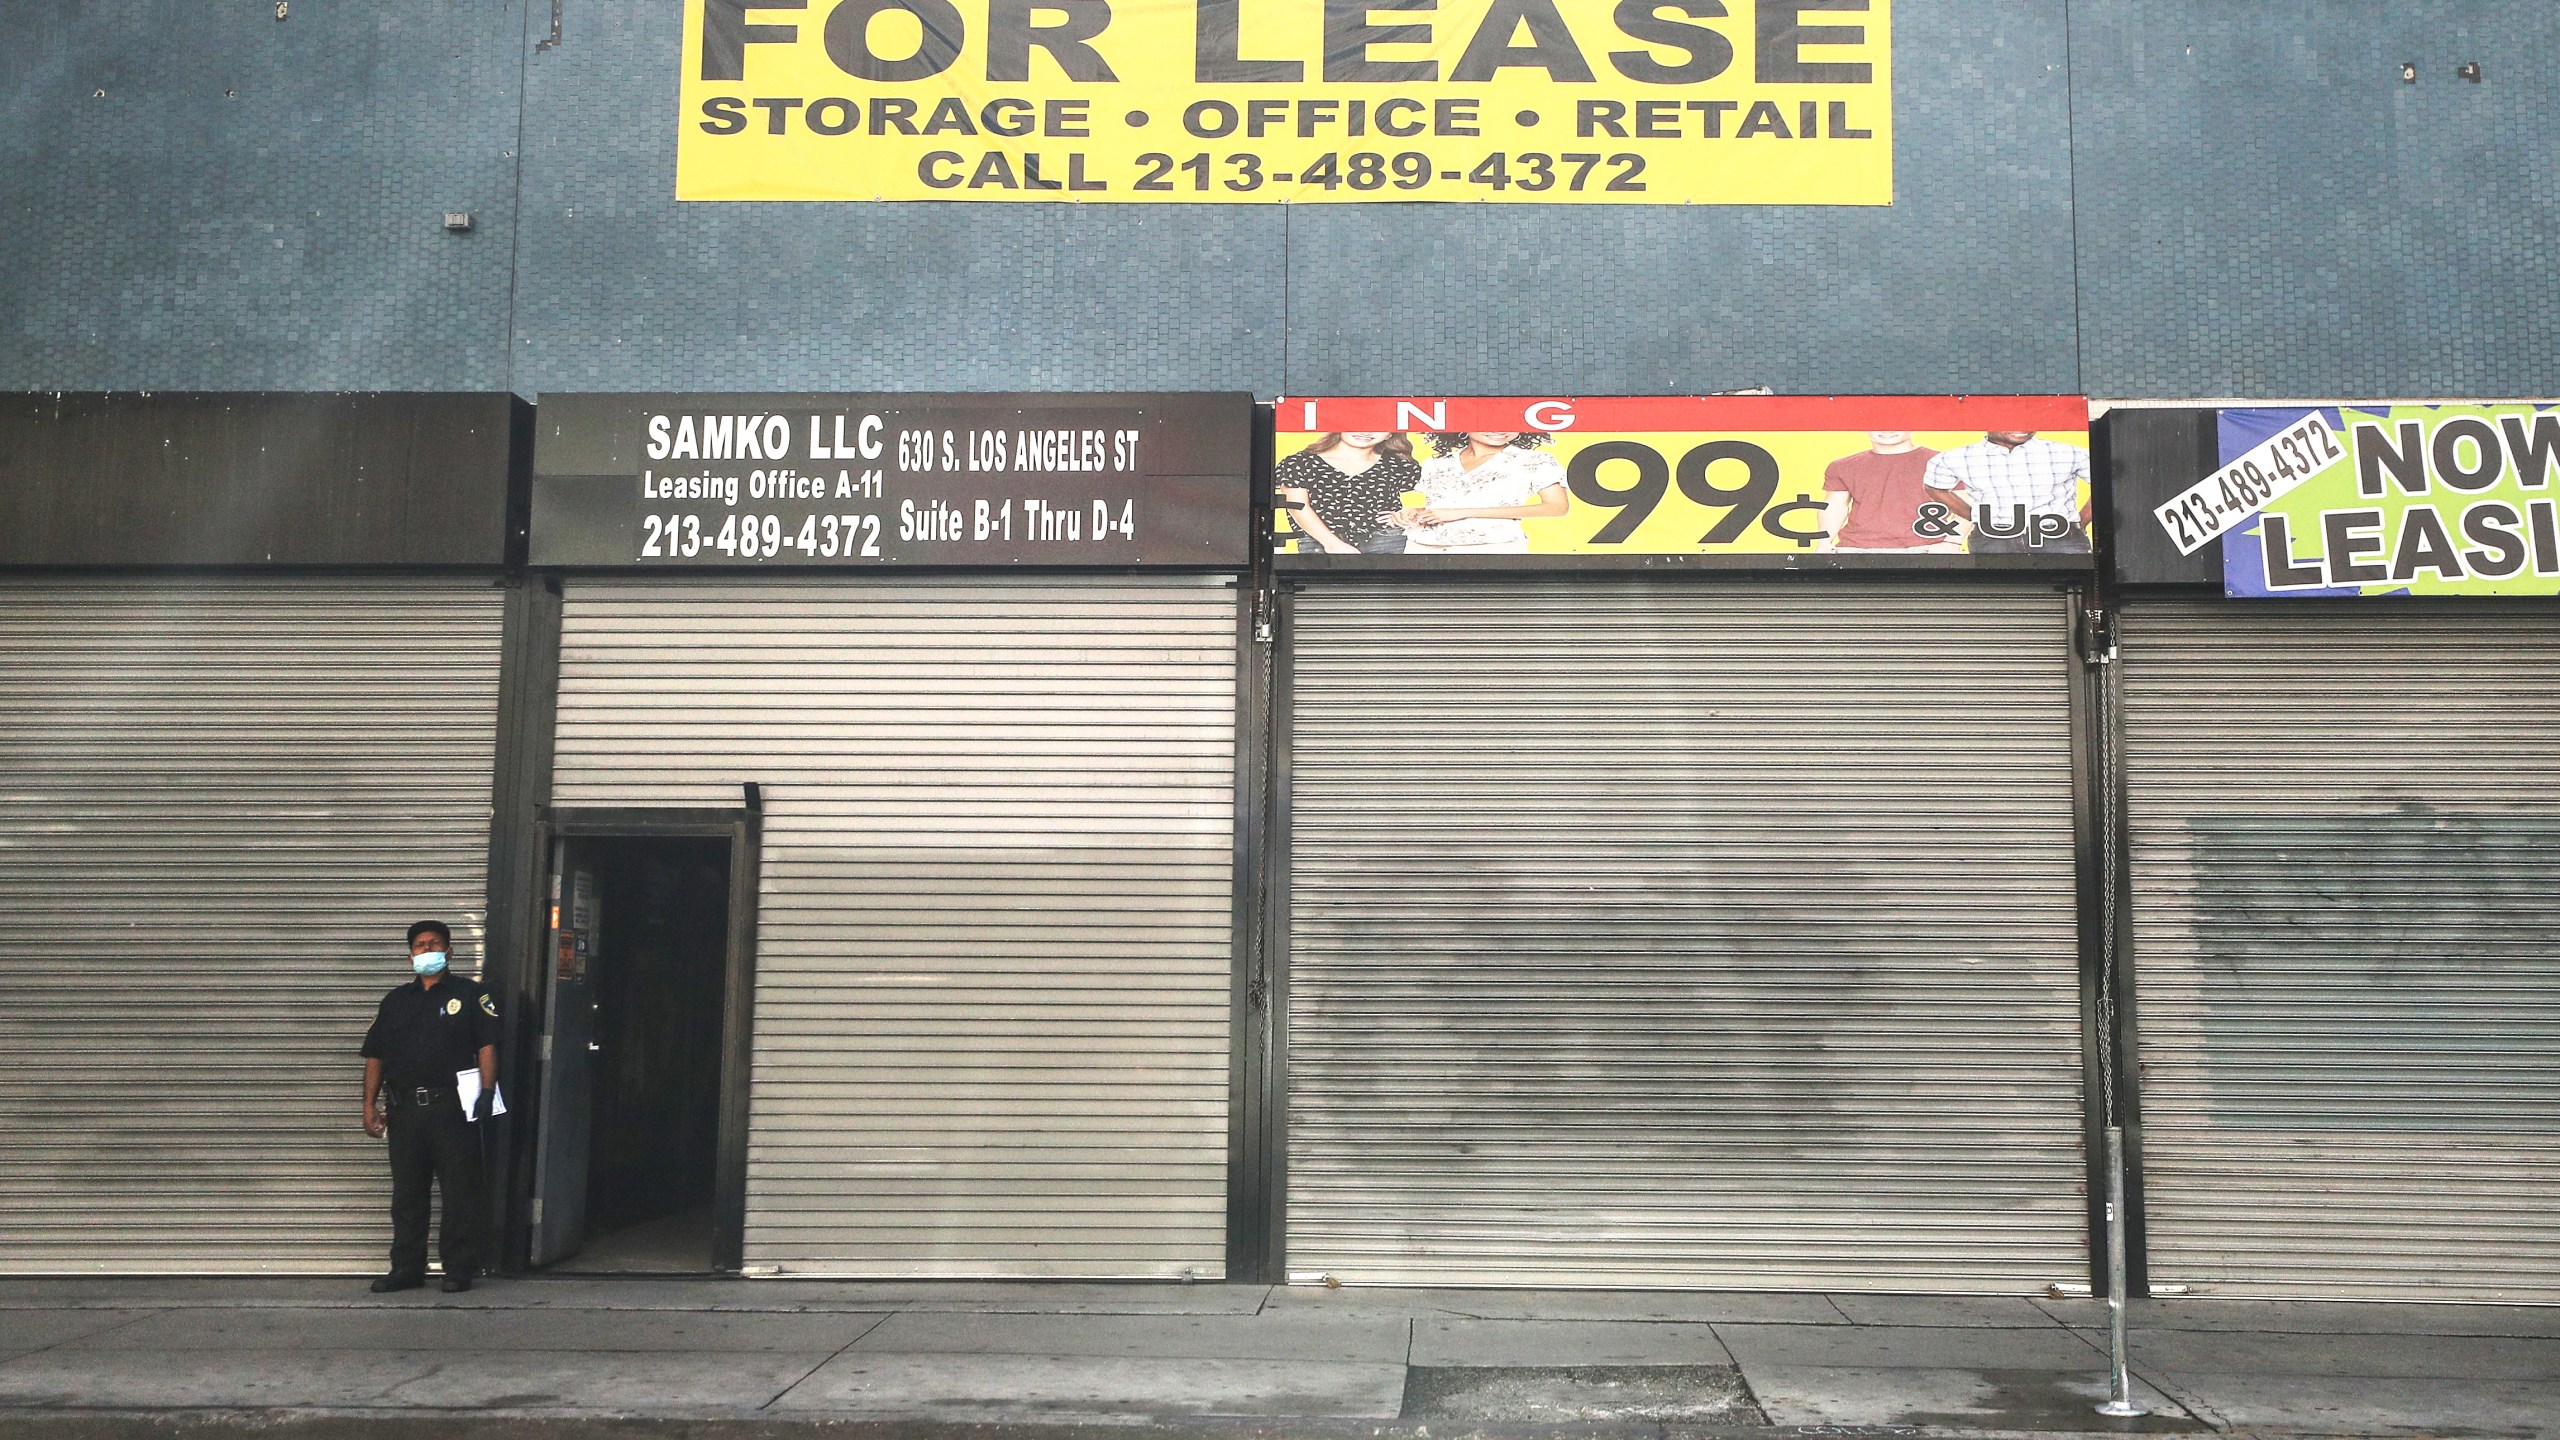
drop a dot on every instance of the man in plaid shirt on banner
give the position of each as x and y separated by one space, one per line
2024 491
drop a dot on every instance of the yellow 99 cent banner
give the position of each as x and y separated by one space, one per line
1928 481
1590 102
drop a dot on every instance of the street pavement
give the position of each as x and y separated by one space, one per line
530 1357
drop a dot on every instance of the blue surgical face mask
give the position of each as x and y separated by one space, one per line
429 962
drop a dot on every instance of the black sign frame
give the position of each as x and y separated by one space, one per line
804 481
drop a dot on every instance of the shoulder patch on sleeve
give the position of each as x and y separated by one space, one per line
488 1005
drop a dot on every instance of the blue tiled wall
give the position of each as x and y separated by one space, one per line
2262 209
621 288
195 194
1963 285
2267 210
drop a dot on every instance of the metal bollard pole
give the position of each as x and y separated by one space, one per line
2120 1403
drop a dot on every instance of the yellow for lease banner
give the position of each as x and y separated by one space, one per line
1592 102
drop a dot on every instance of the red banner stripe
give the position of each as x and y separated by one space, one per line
1681 414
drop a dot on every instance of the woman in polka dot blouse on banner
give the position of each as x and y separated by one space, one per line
1341 489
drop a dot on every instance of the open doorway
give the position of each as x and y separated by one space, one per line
640 1049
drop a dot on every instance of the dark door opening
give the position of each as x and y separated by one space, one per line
631 1122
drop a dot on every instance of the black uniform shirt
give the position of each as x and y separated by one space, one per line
425 1037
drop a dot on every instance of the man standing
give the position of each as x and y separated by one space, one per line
2022 493
1874 498
425 1035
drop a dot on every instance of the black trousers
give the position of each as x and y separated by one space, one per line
434 1144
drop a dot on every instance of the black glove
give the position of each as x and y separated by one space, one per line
480 1104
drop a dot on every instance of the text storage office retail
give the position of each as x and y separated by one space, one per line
1656 917
250 675
979 657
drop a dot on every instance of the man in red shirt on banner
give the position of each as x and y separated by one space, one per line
1875 498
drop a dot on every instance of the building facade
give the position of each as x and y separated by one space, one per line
1116 917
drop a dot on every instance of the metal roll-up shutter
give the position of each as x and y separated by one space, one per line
221 804
995 932
2346 917
1683 934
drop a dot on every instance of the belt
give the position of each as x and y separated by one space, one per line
421 1097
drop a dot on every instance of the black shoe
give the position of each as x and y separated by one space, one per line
455 1284
396 1281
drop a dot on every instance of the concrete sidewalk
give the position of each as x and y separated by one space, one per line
524 1357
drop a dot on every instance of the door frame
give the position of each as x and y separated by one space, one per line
743 827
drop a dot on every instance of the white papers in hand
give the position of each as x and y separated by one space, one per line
466 1084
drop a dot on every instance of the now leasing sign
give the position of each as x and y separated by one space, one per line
2457 499
1549 102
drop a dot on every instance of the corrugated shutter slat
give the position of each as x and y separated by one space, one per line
2346 869
1647 934
995 932
221 803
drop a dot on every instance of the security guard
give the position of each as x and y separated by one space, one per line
427 1033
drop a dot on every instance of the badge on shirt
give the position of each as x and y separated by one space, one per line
453 1007
489 1006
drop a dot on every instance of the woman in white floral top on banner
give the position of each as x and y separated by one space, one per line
1478 489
